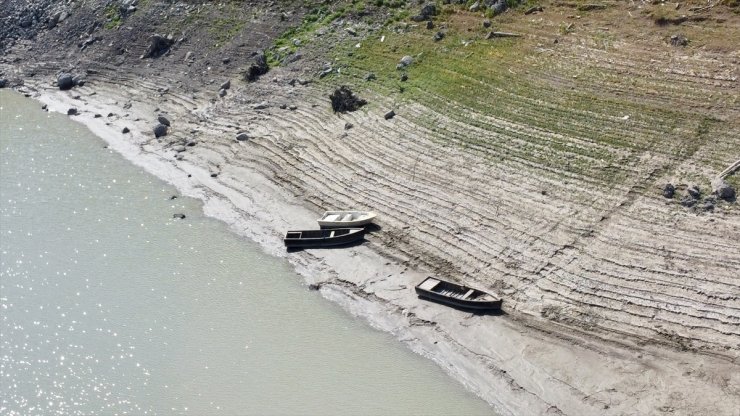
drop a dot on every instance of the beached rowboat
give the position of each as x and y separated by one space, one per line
323 238
457 295
346 219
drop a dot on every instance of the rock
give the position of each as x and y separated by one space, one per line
160 130
694 191
314 286
709 204
3 82
499 7
125 130
65 81
389 115
178 216
438 36
351 31
260 106
179 148
406 61
348 126
370 76
325 72
222 93
343 100
79 80
257 68
679 40
292 107
723 190
191 143
283 106
242 137
404 77
475 7
188 56
72 112
214 174
226 85
669 190
98 115
535 9
158 46
428 10
486 23
44 107
688 201
162 119
226 61
430 25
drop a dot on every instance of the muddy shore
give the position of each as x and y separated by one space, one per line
533 167
517 365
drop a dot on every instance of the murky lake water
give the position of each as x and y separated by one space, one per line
111 306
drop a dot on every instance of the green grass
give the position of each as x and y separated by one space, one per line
113 17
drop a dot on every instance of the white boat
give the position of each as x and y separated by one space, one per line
346 219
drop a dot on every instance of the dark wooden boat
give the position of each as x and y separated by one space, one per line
323 238
457 295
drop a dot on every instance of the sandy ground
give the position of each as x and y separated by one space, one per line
520 365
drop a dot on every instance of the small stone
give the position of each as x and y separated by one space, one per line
191 143
125 130
72 112
226 60
723 190
178 216
160 130
486 23
179 148
406 60
430 25
370 76
694 191
260 106
404 77
98 115
438 36
348 126
163 120
475 7
669 190
242 137
3 82
292 107
226 85
44 107
389 115
688 201
214 174
222 93
65 81
351 31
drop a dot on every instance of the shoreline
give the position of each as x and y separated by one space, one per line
515 368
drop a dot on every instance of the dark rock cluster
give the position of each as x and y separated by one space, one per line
343 100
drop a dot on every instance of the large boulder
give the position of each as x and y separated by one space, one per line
257 68
343 100
158 46
65 81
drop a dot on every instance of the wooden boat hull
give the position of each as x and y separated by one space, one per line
322 238
457 296
346 219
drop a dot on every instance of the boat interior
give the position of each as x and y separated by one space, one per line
454 291
342 217
317 233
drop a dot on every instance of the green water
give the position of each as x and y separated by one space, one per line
111 306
